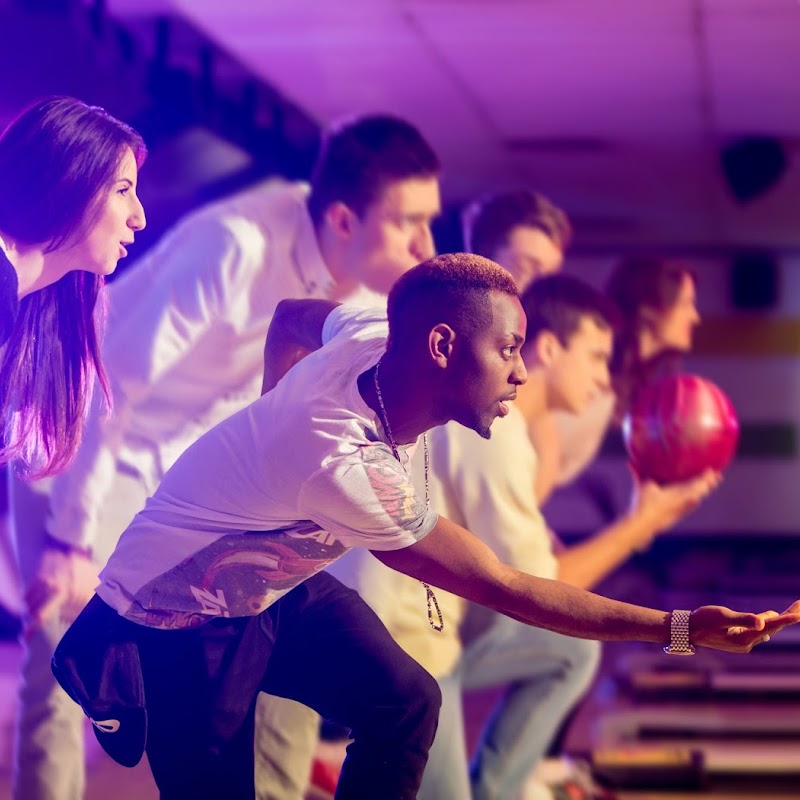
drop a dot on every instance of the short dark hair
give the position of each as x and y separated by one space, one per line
360 157
489 221
557 303
452 288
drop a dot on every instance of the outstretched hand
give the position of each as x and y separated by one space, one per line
721 628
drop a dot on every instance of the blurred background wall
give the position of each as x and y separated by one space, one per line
660 127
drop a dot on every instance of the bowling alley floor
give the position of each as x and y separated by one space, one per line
107 779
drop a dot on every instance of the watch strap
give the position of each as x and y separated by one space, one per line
679 644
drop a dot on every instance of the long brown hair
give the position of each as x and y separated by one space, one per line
56 160
642 287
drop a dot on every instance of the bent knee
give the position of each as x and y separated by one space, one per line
426 698
419 688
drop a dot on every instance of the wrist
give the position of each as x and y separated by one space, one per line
67 548
679 634
642 530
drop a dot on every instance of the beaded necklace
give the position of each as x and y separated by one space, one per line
437 625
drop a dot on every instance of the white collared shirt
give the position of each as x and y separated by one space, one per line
185 340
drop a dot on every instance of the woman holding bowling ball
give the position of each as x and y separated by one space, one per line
657 301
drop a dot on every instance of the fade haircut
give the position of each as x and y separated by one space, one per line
558 303
488 222
452 288
361 157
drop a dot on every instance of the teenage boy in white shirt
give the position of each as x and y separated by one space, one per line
489 488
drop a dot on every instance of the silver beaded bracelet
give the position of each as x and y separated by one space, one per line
679 644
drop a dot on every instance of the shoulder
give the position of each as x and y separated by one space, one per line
270 206
354 322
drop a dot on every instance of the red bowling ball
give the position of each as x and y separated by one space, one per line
679 426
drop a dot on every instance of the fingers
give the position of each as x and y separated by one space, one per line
774 623
43 613
39 593
724 629
703 485
778 622
691 492
746 621
794 608
699 486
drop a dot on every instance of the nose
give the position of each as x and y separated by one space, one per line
422 246
137 220
604 381
520 372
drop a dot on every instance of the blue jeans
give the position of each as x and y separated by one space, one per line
546 673
49 752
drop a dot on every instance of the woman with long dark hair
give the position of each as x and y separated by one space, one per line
68 211
658 304
657 298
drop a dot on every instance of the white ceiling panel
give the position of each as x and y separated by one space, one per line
754 58
617 108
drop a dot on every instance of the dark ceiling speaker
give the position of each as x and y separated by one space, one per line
752 164
755 281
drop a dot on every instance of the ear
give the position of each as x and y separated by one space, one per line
441 340
547 348
340 220
649 317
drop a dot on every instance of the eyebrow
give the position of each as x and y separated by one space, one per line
125 180
416 216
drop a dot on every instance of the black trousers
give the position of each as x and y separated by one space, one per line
319 644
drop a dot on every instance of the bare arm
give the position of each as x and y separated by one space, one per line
452 558
585 564
654 509
295 331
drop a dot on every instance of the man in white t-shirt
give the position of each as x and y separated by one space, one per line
214 591
183 350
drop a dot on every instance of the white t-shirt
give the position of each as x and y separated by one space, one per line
271 495
488 488
581 436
